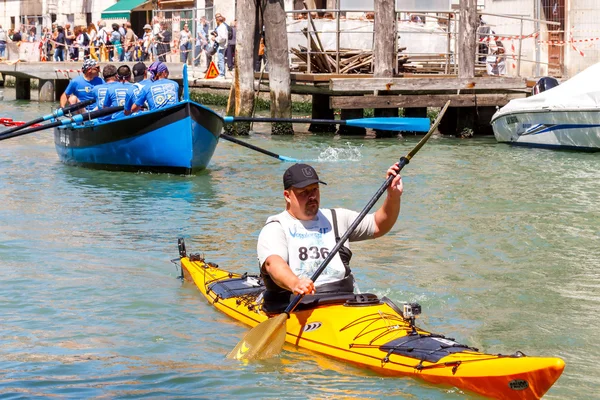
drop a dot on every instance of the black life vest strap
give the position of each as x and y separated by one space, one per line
345 253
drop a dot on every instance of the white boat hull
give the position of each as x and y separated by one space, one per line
559 129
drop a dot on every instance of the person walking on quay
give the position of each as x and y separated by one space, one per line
201 40
130 42
3 40
116 39
147 42
83 41
185 44
93 34
59 46
221 39
70 37
103 41
16 36
164 42
230 54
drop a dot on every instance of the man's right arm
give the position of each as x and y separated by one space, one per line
285 278
272 252
64 98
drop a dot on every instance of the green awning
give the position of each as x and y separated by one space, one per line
122 9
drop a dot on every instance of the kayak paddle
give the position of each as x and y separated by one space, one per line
76 119
382 123
55 114
250 146
267 338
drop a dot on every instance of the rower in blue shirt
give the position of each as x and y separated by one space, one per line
139 81
109 72
160 92
116 93
80 88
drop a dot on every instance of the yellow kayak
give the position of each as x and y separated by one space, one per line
373 333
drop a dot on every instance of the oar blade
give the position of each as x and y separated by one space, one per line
288 159
265 340
392 124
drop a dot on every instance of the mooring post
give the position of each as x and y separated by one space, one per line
23 88
352 113
46 90
384 53
321 110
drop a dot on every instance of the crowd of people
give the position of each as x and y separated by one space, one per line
115 42
136 89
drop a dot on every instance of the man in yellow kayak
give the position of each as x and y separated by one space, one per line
293 244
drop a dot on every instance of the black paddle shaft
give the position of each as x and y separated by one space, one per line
370 204
64 110
76 119
248 145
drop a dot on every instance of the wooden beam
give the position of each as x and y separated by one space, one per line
422 84
461 100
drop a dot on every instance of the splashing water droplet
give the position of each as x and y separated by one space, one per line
348 153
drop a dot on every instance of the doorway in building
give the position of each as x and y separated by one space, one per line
554 10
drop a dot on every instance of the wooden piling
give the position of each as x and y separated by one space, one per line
384 53
279 70
321 110
23 88
241 99
352 113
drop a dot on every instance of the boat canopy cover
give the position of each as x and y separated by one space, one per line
580 92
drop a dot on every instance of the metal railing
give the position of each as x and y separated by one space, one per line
447 26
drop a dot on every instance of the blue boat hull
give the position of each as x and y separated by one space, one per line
178 139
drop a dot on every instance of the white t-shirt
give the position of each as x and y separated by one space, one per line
222 35
304 245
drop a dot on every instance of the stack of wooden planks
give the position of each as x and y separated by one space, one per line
351 61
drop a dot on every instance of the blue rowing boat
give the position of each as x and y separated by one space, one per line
179 139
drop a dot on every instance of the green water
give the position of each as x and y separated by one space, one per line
500 245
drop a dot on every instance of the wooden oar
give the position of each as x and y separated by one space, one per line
76 119
56 114
267 338
382 123
250 146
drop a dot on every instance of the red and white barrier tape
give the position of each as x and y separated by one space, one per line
492 38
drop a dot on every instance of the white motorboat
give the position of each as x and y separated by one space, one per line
564 117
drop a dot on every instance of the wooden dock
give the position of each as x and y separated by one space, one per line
349 93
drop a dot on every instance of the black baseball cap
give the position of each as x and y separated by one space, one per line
299 176
138 71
